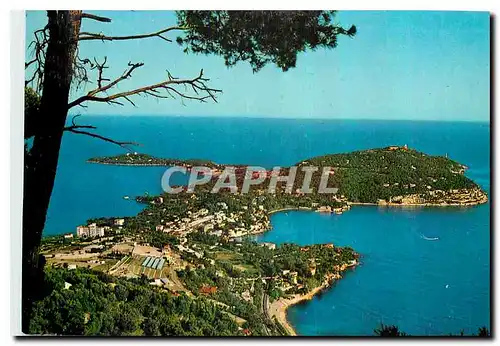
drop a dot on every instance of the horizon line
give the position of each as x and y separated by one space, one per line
285 117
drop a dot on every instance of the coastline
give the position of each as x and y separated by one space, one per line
278 308
402 205
386 205
130 164
289 209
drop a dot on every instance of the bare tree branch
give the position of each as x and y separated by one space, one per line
126 74
198 84
75 128
72 127
106 139
100 69
80 69
29 63
38 51
129 100
85 36
97 18
74 118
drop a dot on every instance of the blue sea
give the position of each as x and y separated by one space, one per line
426 287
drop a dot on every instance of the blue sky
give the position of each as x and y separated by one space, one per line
400 65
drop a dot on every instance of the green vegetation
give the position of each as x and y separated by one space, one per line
369 175
160 239
226 289
31 112
98 304
138 159
309 265
91 303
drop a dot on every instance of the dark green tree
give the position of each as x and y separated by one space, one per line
259 37
31 108
128 320
483 332
121 292
389 331
151 326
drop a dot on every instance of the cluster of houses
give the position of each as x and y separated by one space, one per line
395 147
461 196
215 223
183 226
452 197
288 279
183 248
329 209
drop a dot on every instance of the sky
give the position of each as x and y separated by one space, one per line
401 65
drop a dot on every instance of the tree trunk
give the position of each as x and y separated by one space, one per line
41 162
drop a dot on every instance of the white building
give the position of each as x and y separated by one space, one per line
90 231
270 246
82 231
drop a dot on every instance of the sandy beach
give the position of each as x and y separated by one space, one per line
279 307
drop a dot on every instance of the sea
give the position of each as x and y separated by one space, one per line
426 270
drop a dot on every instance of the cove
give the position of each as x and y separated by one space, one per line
423 269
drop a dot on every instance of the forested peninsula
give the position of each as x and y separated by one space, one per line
394 175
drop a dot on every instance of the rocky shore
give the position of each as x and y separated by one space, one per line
457 197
